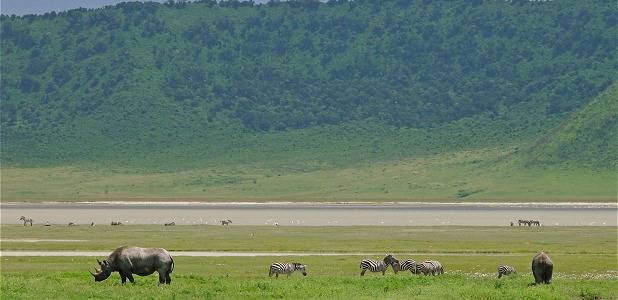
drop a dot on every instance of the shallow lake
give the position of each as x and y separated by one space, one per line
314 214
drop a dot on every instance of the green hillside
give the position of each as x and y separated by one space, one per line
305 99
587 139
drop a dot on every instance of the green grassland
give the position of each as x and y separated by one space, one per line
522 156
584 257
476 175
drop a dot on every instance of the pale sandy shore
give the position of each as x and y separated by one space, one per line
327 204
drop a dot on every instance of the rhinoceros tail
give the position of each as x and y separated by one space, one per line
172 268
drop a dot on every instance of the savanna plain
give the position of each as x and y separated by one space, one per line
584 257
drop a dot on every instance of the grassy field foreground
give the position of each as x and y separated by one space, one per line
585 262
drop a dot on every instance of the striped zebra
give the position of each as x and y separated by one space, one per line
505 270
226 222
286 268
26 220
377 265
407 264
430 266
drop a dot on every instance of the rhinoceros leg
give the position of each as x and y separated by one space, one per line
123 278
168 278
130 276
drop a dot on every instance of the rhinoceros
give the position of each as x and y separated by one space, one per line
129 260
542 268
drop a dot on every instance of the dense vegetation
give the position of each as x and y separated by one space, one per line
193 81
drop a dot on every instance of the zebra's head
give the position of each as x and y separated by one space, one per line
301 268
389 259
396 266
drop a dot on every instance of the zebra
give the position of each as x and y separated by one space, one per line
430 266
26 220
72 224
407 264
170 224
525 222
377 265
226 222
535 223
505 270
286 268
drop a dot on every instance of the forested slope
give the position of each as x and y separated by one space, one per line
587 139
137 79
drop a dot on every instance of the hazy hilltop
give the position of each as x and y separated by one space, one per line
306 86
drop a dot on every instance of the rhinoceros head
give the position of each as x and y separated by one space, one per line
102 274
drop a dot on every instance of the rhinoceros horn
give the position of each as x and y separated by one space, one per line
96 272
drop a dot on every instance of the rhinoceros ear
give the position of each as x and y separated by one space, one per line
100 263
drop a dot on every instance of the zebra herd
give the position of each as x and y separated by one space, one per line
426 267
529 222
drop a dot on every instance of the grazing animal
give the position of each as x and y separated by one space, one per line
26 220
535 223
72 224
407 264
430 266
170 224
286 268
505 270
116 223
377 265
542 268
226 222
129 260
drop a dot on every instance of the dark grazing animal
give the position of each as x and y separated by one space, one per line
170 224
226 222
26 220
129 260
505 270
286 268
116 223
377 265
542 268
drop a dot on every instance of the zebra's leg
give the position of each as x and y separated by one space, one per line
363 272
